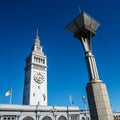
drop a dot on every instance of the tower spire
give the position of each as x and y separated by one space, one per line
37 33
37 40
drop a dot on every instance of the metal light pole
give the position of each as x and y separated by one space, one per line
85 105
83 27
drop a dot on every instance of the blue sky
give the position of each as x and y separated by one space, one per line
67 73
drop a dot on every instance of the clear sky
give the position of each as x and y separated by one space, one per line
67 73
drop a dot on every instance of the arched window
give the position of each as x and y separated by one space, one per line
46 118
43 61
62 118
35 59
39 60
9 117
28 118
83 118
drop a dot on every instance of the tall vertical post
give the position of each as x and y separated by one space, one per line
84 27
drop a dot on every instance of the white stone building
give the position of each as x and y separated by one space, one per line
37 112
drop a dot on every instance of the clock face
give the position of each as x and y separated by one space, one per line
39 78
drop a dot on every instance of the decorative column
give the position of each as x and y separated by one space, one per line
84 27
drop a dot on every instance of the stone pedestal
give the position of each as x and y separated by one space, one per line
100 108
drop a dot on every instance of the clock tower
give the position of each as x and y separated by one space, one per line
35 79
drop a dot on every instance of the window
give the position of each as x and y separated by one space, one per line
9 117
38 87
62 118
39 60
28 118
74 117
34 59
46 118
33 94
43 61
83 118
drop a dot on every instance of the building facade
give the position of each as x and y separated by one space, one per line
37 112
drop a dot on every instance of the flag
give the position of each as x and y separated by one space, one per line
70 99
9 92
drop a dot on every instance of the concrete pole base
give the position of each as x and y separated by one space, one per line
98 100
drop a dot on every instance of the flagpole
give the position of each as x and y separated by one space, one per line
71 103
10 97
